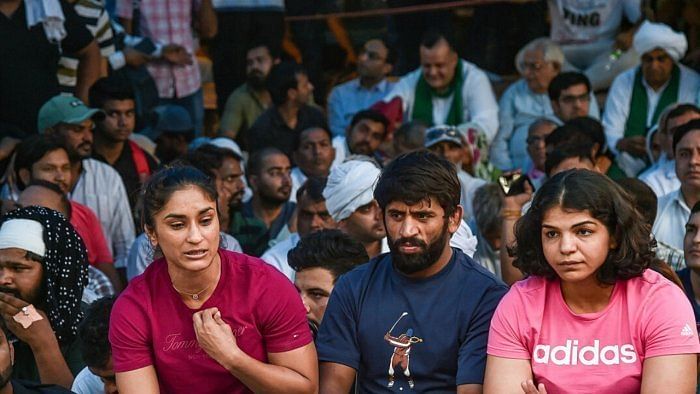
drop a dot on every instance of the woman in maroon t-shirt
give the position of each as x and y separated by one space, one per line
202 319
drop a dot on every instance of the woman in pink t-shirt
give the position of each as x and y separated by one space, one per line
202 319
590 317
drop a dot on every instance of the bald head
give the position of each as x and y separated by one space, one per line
46 197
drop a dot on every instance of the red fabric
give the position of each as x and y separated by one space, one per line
87 225
140 161
150 325
393 110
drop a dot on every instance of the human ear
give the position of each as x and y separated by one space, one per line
24 176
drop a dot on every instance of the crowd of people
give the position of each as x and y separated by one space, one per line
415 229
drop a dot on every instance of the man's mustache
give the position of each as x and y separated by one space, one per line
10 291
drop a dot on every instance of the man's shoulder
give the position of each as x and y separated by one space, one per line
472 272
98 169
624 80
240 93
346 87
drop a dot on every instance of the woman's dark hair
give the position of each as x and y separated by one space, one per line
583 190
161 186
330 249
417 176
30 151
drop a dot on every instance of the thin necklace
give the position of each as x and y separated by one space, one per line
195 296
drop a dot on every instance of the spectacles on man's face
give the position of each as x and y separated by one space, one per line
570 99
532 66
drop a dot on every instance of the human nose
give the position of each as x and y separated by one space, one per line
194 234
305 301
6 278
567 244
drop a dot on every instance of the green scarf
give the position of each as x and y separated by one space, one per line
423 105
637 119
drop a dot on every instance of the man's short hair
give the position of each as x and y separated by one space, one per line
567 150
329 249
680 131
580 132
551 52
273 50
209 158
94 333
297 138
32 149
675 111
312 188
372 115
255 161
434 35
282 77
564 81
109 88
416 176
411 134
56 189
643 196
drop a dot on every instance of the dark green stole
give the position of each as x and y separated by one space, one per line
423 104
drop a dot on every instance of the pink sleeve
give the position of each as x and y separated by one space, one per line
668 323
505 335
282 314
129 334
124 9
103 255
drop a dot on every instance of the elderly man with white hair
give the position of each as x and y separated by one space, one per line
639 95
349 195
526 101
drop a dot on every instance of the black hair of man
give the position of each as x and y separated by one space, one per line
590 128
273 50
94 333
256 160
417 176
681 109
696 208
299 136
574 149
56 189
313 189
680 131
31 150
329 249
566 80
372 115
109 88
434 35
209 158
411 134
282 77
643 196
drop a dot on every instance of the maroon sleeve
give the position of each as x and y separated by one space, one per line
282 314
129 332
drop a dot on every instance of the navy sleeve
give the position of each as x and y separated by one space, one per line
472 352
337 336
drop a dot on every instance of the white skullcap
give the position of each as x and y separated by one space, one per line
657 35
350 185
227 143
23 234
464 239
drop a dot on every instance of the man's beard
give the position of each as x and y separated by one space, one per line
273 199
5 374
415 262
256 80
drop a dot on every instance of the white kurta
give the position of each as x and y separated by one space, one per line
671 216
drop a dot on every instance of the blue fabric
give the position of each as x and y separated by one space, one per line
194 104
350 98
450 312
684 275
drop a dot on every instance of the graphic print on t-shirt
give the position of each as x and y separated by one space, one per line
401 356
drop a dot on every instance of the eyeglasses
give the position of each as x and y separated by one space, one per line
533 139
571 99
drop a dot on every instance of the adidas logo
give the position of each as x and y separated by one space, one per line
687 331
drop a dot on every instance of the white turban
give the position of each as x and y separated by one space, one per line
657 35
23 234
464 239
350 185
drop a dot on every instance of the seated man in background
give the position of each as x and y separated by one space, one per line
313 155
44 273
366 132
319 259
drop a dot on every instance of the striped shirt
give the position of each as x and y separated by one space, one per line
96 19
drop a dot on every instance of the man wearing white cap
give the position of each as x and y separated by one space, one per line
639 95
44 272
350 200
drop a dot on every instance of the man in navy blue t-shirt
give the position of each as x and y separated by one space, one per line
415 319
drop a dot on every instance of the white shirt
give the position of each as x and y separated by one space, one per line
141 254
469 185
671 216
617 105
298 179
87 383
276 256
342 150
519 108
661 177
101 188
478 101
583 21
